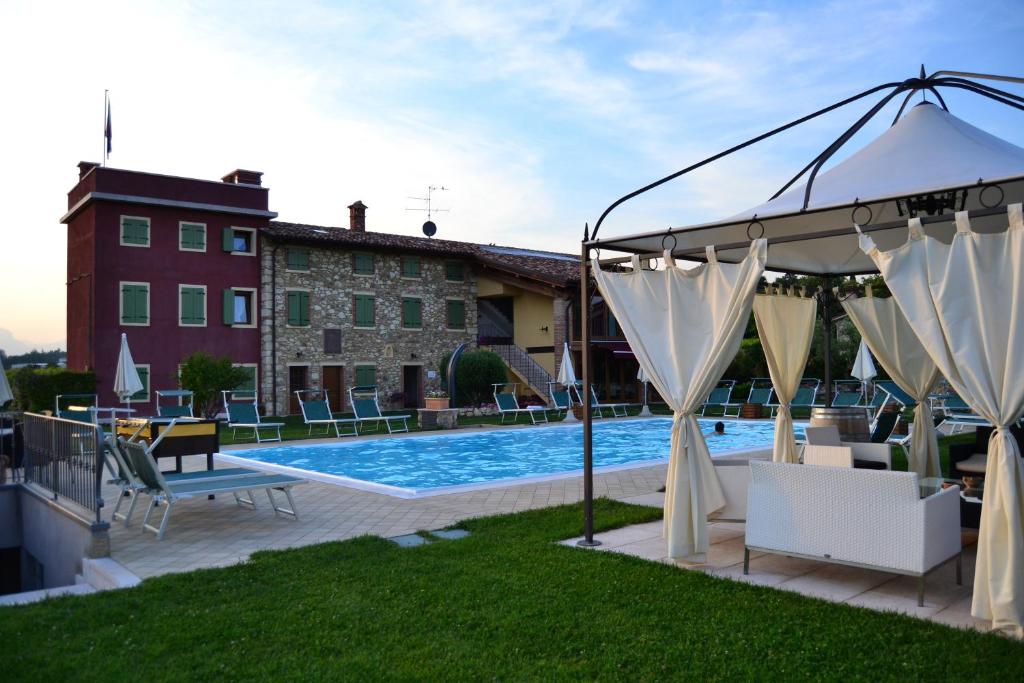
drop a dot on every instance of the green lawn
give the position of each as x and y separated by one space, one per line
505 603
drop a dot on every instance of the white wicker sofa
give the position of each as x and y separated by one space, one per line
864 518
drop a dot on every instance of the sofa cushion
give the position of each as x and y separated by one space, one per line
974 464
823 436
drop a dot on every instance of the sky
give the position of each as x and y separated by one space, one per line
536 116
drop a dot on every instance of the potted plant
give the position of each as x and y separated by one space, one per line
437 400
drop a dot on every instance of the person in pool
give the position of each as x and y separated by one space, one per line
719 430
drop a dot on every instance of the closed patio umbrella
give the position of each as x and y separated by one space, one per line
567 378
5 387
641 376
126 380
864 366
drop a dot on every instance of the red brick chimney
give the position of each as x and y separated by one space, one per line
242 177
357 216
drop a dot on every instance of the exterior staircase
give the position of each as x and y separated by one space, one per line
525 368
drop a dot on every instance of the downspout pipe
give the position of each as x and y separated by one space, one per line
273 327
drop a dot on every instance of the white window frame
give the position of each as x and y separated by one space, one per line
206 306
149 232
465 323
252 243
401 311
206 236
255 309
149 385
307 290
120 304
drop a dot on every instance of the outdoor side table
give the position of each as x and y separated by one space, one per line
446 418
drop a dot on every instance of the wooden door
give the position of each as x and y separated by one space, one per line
298 380
334 385
412 386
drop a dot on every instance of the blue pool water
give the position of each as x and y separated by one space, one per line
416 465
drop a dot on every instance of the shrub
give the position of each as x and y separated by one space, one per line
206 377
35 389
475 376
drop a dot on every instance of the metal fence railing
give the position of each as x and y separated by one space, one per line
65 457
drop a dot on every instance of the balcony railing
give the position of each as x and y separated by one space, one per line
65 457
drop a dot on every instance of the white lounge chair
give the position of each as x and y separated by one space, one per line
244 414
366 408
618 409
508 404
317 411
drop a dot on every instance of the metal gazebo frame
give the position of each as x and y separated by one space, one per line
957 80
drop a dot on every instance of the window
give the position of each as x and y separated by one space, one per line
240 307
412 313
192 305
239 241
134 231
456 310
298 308
332 341
191 236
141 396
364 313
454 271
298 259
247 388
134 303
366 375
411 267
362 264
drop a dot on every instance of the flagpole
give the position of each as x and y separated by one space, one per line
106 109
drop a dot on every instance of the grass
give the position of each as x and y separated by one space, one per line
505 603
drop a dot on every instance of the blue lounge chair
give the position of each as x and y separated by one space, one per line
618 409
317 411
760 393
244 414
560 398
366 408
508 404
720 396
179 409
805 397
77 407
848 394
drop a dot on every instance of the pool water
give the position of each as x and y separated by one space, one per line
422 465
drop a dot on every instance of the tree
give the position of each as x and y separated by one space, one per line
475 376
206 377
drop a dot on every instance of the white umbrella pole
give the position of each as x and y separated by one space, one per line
646 410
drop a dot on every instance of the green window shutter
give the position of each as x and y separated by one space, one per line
298 259
229 306
135 231
141 303
193 306
142 395
410 266
199 237
187 306
127 304
298 309
362 264
412 313
193 236
454 271
366 375
227 239
134 307
456 314
364 311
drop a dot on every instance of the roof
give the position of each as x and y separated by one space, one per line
553 268
927 151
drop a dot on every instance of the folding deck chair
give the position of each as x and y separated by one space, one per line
318 412
848 394
618 409
181 409
366 408
77 407
760 393
720 396
508 404
163 491
560 398
805 397
246 415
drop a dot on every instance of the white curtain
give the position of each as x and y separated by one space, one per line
785 325
965 301
892 340
685 326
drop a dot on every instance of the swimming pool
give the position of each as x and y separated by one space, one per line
411 467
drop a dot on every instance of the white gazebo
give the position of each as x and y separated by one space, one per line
926 203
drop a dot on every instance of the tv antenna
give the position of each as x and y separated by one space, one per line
429 227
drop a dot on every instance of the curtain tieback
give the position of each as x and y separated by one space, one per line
684 433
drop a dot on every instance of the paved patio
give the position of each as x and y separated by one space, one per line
945 601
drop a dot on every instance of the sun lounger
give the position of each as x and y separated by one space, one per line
720 396
366 408
508 404
760 393
618 409
318 412
127 479
163 491
848 394
245 415
180 409
805 396
561 398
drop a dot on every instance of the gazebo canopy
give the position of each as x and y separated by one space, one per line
927 155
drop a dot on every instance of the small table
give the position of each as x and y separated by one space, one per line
445 418
970 506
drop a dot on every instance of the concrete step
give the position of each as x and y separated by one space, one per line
104 573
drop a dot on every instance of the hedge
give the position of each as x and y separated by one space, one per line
35 389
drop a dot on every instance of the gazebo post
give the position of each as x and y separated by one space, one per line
588 431
826 320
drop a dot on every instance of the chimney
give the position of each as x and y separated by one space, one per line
84 167
357 217
242 177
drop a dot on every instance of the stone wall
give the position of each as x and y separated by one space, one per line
332 285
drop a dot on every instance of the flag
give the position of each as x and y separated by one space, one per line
108 131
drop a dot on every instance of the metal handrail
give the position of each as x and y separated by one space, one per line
65 457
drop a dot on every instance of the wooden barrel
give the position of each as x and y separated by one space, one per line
752 411
851 422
